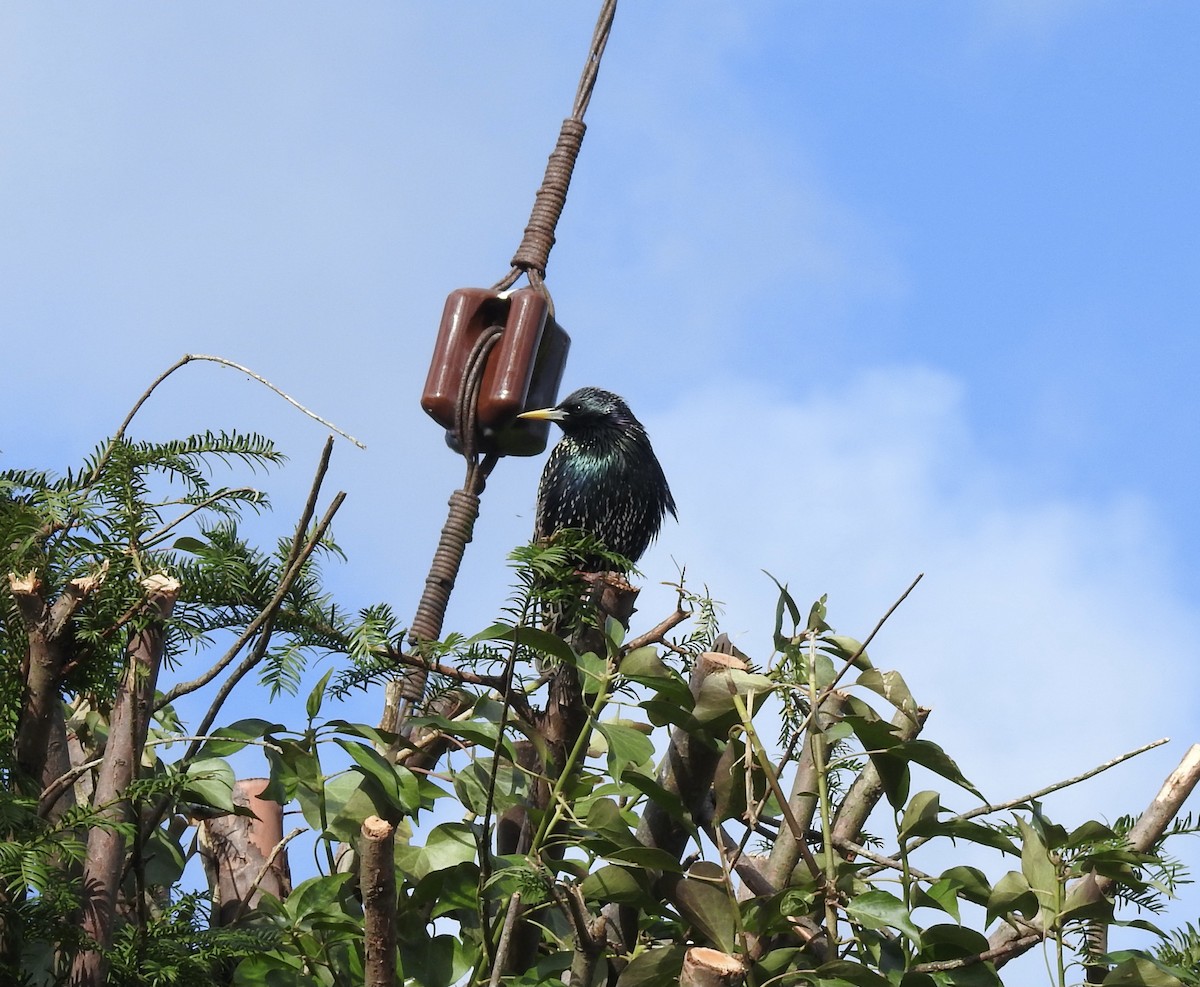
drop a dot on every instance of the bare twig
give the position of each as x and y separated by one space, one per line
252 659
793 824
746 867
150 540
656 634
183 362
276 850
1006 942
299 554
983 810
846 666
849 846
510 921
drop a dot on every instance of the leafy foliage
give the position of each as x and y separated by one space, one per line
688 798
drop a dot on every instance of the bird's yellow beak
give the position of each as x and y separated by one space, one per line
544 414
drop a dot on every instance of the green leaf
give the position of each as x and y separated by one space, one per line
971 882
881 909
844 647
627 747
317 697
657 967
1011 894
380 739
317 894
942 895
449 844
646 665
1051 833
668 801
964 829
664 710
471 784
648 857
593 672
350 799
617 884
434 960
816 616
929 755
237 734
533 638
892 687
710 910
396 782
210 782
1039 871
844 972
719 688
922 807
1090 832
1140 971
951 942
788 605
895 778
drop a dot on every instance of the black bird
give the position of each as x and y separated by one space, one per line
602 477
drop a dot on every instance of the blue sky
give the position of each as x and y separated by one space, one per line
896 288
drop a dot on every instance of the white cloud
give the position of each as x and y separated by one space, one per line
1045 634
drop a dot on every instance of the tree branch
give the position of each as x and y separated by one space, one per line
1006 942
377 879
300 552
127 735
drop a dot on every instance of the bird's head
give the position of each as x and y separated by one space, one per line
588 409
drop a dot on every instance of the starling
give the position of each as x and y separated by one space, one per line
602 477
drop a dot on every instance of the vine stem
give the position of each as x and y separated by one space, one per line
816 740
552 819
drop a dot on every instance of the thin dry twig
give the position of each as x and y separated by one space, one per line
656 633
276 850
510 921
846 666
265 616
285 584
984 810
182 362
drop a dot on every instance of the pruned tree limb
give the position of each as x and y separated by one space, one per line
48 652
127 735
377 879
1007 942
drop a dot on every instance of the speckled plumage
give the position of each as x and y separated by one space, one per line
603 476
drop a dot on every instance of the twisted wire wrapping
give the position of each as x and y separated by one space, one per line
534 252
530 259
460 520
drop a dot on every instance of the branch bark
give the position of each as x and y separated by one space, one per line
48 635
867 789
786 852
1007 943
377 879
244 855
704 967
126 740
